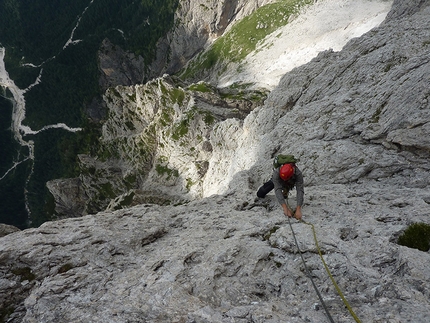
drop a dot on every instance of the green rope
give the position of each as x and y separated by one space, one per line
309 275
330 275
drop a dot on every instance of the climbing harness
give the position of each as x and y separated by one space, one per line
328 272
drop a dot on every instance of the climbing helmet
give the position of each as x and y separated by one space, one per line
286 171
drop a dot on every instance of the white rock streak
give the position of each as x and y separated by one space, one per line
18 114
71 41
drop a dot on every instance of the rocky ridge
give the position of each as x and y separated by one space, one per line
358 120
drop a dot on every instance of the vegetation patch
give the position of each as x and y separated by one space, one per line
189 183
416 236
180 129
5 312
130 181
270 232
177 96
25 273
126 201
164 170
166 116
208 118
201 87
376 115
106 191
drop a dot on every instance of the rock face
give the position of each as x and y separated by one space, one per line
155 146
357 119
198 23
7 229
223 259
118 67
69 196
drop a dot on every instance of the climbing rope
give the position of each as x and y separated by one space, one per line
329 273
309 275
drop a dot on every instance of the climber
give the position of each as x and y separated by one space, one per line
284 178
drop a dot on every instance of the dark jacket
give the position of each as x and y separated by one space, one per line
280 184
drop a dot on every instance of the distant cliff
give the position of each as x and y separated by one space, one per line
58 61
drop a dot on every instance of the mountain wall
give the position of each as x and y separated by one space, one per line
198 24
158 140
358 119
